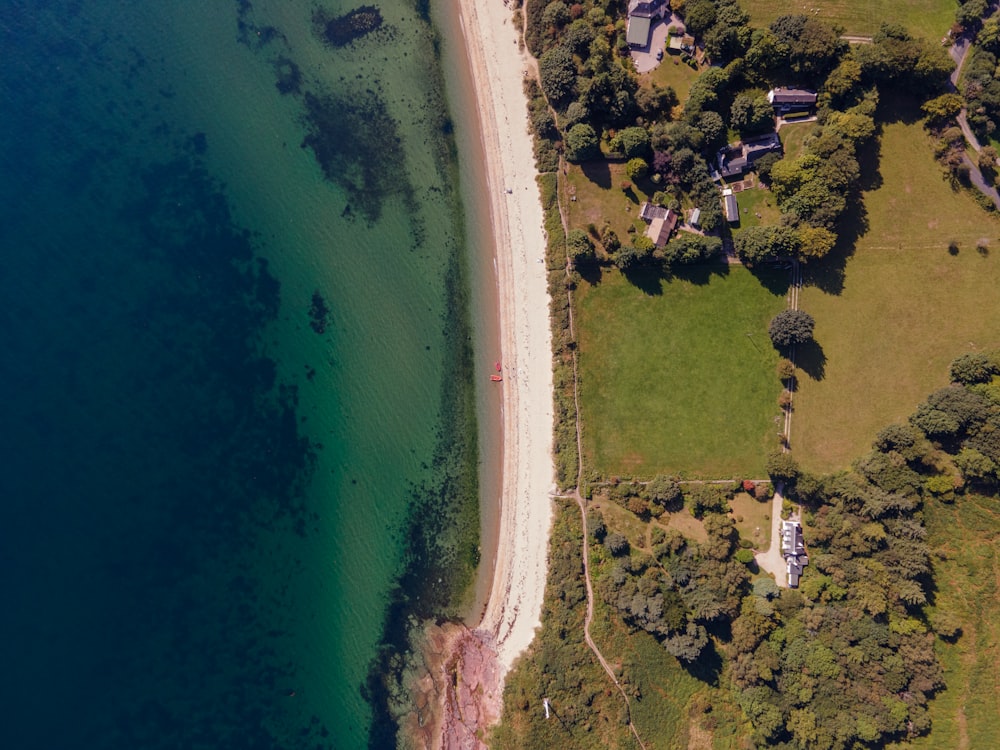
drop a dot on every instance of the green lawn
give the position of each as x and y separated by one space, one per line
929 19
757 208
966 570
674 73
906 309
670 380
793 136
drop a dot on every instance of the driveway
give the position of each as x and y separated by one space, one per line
771 561
645 57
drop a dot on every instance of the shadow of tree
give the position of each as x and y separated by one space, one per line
598 172
591 272
707 667
811 359
699 273
648 278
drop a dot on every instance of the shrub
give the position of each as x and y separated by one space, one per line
744 556
582 143
973 368
636 169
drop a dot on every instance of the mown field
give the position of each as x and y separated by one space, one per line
889 322
678 376
929 19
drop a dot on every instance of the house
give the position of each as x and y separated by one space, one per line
791 100
662 222
730 207
641 15
793 549
737 158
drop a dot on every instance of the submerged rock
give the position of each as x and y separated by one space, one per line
339 31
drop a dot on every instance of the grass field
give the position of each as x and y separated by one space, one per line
907 306
967 713
929 19
599 199
670 380
674 73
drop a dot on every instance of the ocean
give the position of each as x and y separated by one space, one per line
244 320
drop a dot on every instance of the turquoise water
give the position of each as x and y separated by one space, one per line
240 443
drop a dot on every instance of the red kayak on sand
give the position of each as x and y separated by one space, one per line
496 378
499 369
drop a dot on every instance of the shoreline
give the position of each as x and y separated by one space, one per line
498 65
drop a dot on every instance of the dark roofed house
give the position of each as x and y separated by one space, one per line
788 100
737 158
662 222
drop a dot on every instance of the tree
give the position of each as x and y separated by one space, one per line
636 169
815 242
687 646
942 108
579 247
633 142
973 368
617 544
664 491
690 248
582 143
759 244
751 113
782 466
557 71
764 165
988 163
791 327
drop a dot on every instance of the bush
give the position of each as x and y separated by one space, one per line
579 247
786 368
744 556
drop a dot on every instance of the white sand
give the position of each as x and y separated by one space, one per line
498 67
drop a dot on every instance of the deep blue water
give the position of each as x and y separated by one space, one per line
226 249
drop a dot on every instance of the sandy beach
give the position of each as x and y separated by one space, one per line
498 67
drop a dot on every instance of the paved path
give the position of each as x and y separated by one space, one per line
771 561
959 51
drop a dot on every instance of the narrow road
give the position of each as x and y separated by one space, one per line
959 51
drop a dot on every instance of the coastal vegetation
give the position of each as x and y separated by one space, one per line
858 655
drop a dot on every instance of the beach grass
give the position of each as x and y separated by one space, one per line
928 19
966 569
678 376
892 316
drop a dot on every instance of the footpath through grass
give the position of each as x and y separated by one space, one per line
678 377
929 19
907 306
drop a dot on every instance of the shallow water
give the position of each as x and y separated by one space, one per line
237 367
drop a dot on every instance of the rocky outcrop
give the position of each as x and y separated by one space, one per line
459 694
